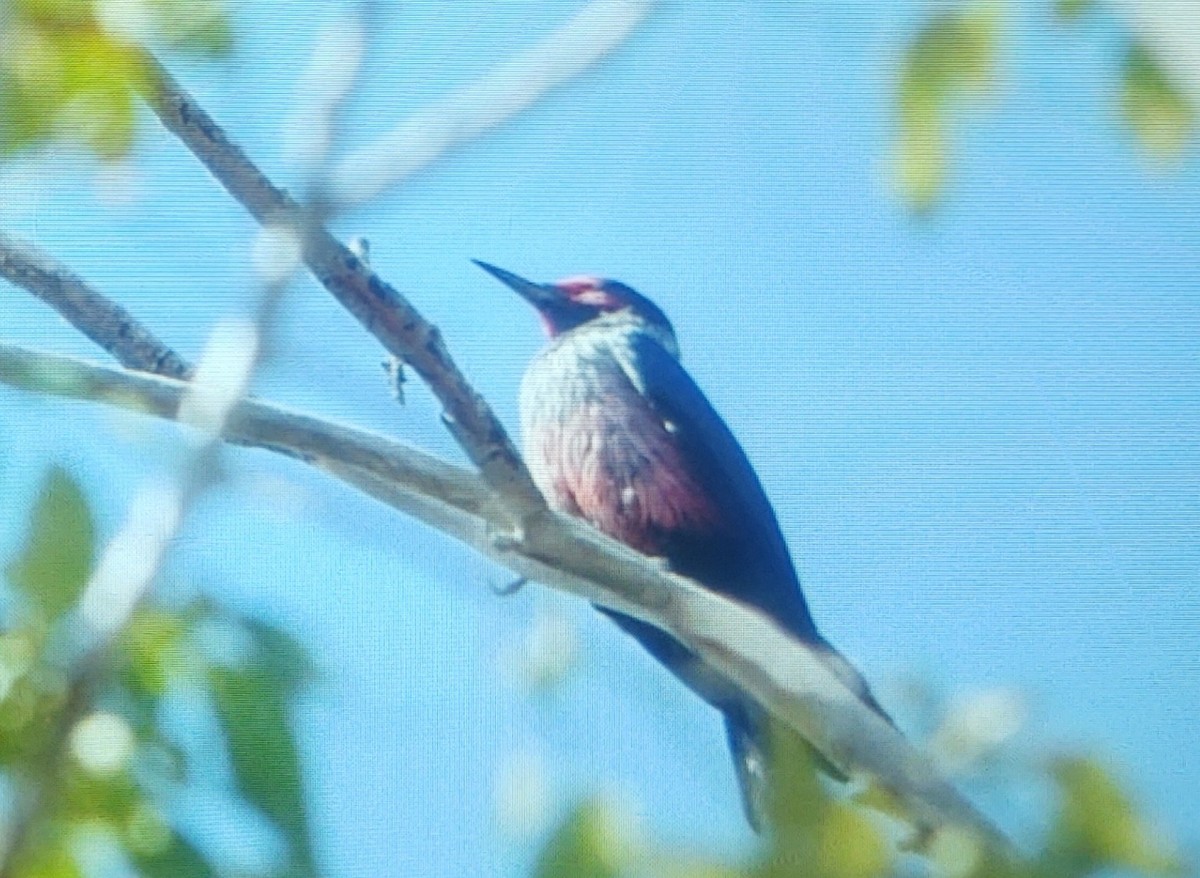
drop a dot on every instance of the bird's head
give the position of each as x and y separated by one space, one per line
577 301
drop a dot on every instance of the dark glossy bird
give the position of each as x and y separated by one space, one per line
616 432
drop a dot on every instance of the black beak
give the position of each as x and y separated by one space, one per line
540 296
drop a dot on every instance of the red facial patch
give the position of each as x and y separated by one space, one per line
579 283
585 289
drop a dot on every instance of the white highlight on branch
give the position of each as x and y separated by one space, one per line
277 253
468 112
222 376
131 559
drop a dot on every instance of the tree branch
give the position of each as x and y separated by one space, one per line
378 306
786 676
99 318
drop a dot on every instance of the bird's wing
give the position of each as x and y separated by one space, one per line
750 536
754 540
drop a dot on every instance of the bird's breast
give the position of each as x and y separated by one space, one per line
598 449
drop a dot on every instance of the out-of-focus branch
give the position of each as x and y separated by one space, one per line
99 318
383 311
325 87
785 675
508 89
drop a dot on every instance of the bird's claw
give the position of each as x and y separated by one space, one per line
393 367
510 588
506 539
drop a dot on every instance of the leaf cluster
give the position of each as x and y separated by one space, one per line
1095 829
70 70
953 60
88 749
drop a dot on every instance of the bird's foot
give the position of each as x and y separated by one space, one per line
510 588
393 367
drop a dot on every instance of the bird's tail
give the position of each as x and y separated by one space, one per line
749 746
751 735
749 731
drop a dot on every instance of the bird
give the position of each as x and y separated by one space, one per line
616 431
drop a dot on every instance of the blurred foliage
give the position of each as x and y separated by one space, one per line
952 57
1154 107
586 845
71 70
253 704
955 55
1071 9
821 830
53 567
88 752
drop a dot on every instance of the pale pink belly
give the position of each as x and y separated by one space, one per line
617 466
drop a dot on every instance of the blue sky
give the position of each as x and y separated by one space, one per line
981 431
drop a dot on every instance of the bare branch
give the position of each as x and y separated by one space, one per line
786 676
250 423
379 307
99 318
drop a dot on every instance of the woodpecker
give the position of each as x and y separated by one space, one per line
616 432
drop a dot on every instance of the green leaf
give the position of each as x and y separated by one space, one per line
849 845
253 703
1154 106
176 859
47 856
198 25
1072 9
56 13
1099 826
797 801
102 77
71 72
23 118
154 648
797 805
587 844
101 799
53 566
953 56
